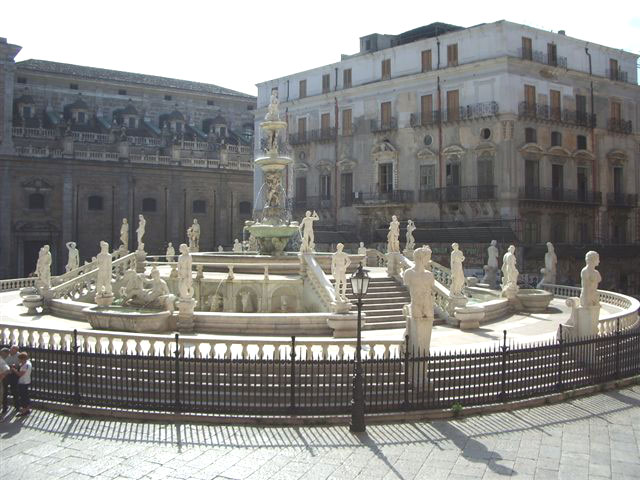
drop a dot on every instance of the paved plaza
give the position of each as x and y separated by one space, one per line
589 438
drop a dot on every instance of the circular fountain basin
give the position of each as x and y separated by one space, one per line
534 300
128 319
272 238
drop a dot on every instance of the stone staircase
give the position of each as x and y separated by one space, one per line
382 304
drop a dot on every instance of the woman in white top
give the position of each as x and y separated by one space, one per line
24 382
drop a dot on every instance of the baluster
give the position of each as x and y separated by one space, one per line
276 352
52 341
341 352
245 352
372 351
30 338
227 352
325 351
212 350
197 350
167 348
138 346
266 272
85 343
230 275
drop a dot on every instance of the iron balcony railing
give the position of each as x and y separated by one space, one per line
560 195
617 75
384 126
311 203
545 112
619 125
469 112
541 57
321 135
622 199
475 193
393 196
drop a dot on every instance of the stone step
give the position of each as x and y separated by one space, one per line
384 325
384 305
399 296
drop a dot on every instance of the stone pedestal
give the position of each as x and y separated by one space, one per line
419 331
32 302
186 307
394 264
456 301
490 276
141 258
104 300
340 306
469 317
583 321
344 325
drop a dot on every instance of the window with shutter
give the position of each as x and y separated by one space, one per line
452 55
346 189
386 69
552 54
426 109
453 105
302 89
556 113
326 81
426 61
527 49
302 128
325 125
346 123
346 78
385 114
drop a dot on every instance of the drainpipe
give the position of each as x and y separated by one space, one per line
594 173
438 43
336 84
335 181
440 159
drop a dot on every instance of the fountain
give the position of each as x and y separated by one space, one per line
272 231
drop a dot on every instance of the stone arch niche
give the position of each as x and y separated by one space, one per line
247 300
284 300
385 153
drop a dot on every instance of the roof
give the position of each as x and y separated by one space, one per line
426 31
79 71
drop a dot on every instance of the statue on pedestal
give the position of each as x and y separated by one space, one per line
509 272
590 278
457 271
43 268
193 233
142 224
74 257
237 246
362 250
124 234
339 263
393 237
306 231
159 293
185 279
247 303
550 267
411 243
103 279
274 185
171 252
273 115
420 282
216 303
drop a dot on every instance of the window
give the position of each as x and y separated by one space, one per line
302 128
367 45
149 205
178 127
73 86
556 112
385 177
582 178
485 170
531 178
199 206
485 133
530 99
223 131
325 187
302 89
132 122
616 111
581 142
94 202
167 97
558 229
618 181
386 69
346 189
427 177
36 201
249 107
325 125
326 83
301 190
552 54
613 69
346 78
81 117
26 112
531 231
581 110
245 208
556 139
22 80
557 182
347 128
122 92
452 55
385 114
453 106
530 135
210 102
453 174
619 231
426 109
582 232
527 50
425 60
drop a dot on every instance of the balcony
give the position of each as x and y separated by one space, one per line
560 195
394 196
469 112
455 194
545 112
619 125
541 57
311 203
322 135
625 200
384 126
48 133
617 75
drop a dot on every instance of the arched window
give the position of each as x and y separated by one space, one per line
199 206
149 205
36 201
530 135
245 208
95 202
556 139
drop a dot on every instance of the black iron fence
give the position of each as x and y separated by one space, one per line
469 112
560 195
327 134
619 125
392 196
177 382
541 111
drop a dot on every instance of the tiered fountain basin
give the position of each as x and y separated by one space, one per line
129 319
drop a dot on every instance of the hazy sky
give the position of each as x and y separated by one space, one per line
236 44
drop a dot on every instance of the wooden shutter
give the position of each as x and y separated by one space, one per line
302 128
326 81
426 60
555 104
346 122
452 55
453 105
616 111
613 69
325 125
386 69
530 95
303 89
552 54
426 109
385 114
527 49
346 78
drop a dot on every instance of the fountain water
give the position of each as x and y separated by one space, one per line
272 230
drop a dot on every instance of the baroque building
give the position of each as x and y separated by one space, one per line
494 131
81 148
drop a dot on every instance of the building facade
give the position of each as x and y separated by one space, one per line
498 130
82 148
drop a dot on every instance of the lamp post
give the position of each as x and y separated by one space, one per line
359 285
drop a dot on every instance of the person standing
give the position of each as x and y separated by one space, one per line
10 381
5 371
24 383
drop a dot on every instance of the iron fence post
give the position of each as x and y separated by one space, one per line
176 400
292 405
405 402
560 355
76 369
618 347
504 348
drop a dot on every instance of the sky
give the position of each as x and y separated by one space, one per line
236 44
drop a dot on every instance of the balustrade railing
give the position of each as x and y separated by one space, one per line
32 151
319 282
386 125
393 196
619 125
16 283
617 75
622 199
28 132
145 141
91 137
473 193
560 195
541 57
545 112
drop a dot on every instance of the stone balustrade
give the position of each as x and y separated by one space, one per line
319 282
16 283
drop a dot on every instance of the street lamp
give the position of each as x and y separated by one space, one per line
359 286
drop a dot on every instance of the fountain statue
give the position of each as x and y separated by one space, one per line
124 235
550 267
411 243
104 290
457 272
509 273
142 225
420 282
590 278
43 268
237 246
362 250
393 237
272 230
339 263
306 231
74 257
491 268
194 238
171 252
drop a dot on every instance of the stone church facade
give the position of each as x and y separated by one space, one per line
81 148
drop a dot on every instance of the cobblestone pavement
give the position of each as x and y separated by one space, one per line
590 438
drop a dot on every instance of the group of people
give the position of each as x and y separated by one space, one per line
15 373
